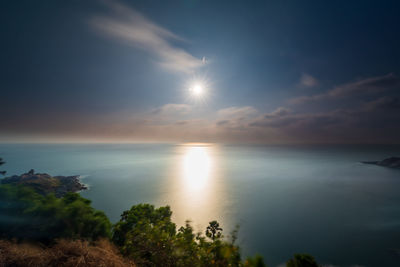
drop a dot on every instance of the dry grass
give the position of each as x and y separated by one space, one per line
64 253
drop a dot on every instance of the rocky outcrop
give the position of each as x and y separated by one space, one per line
44 183
392 162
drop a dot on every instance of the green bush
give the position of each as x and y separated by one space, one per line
1 163
24 214
148 236
256 261
302 260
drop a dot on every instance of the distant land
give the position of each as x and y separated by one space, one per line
392 162
44 183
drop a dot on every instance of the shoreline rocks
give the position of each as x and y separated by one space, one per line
44 183
392 162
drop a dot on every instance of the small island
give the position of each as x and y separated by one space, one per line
392 162
44 183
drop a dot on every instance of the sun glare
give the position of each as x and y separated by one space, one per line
196 167
196 184
197 90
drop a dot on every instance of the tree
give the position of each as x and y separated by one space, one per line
302 260
148 236
213 230
256 261
2 163
29 215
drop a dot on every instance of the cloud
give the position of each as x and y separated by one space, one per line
386 103
279 112
236 112
285 120
372 121
373 85
223 122
169 114
307 80
235 117
172 109
128 25
375 121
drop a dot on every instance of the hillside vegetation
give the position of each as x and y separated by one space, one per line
79 253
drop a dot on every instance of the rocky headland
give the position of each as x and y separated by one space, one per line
392 162
44 183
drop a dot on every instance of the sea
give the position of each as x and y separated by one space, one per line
285 199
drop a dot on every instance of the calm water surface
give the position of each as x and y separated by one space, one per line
286 199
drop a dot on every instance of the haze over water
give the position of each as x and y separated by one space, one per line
287 199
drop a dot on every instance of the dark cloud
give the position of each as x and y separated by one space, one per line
279 112
364 111
374 85
223 122
287 121
375 121
385 103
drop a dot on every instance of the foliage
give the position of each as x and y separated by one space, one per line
1 163
302 260
27 215
148 236
146 233
213 230
256 261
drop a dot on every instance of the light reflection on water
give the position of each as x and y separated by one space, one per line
196 168
196 183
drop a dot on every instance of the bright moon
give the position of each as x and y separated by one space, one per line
197 90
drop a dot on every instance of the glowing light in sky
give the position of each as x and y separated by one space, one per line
197 89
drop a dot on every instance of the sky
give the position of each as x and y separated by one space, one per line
271 71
